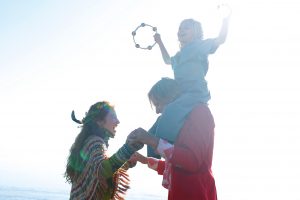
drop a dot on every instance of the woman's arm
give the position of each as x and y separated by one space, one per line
113 163
153 163
191 151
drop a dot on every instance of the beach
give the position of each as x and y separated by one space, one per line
27 193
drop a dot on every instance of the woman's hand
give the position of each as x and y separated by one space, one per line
140 135
137 157
133 141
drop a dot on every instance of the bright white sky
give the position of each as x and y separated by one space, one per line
56 56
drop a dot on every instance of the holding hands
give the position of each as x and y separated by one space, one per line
136 140
141 136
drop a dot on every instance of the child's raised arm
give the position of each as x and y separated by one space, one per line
224 30
163 50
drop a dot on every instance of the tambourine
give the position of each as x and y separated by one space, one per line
149 47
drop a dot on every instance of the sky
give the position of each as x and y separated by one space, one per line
58 56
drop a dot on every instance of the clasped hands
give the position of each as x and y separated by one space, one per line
136 139
139 137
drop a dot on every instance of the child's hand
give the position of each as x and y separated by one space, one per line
157 38
225 11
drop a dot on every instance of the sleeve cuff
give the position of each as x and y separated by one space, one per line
152 163
165 149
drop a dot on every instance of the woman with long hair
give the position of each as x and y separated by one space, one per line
92 174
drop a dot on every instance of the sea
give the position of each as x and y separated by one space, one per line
27 193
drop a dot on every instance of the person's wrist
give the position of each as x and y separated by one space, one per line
152 141
137 146
129 149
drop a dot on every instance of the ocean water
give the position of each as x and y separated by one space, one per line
17 193
24 193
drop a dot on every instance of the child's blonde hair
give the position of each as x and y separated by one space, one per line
197 27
